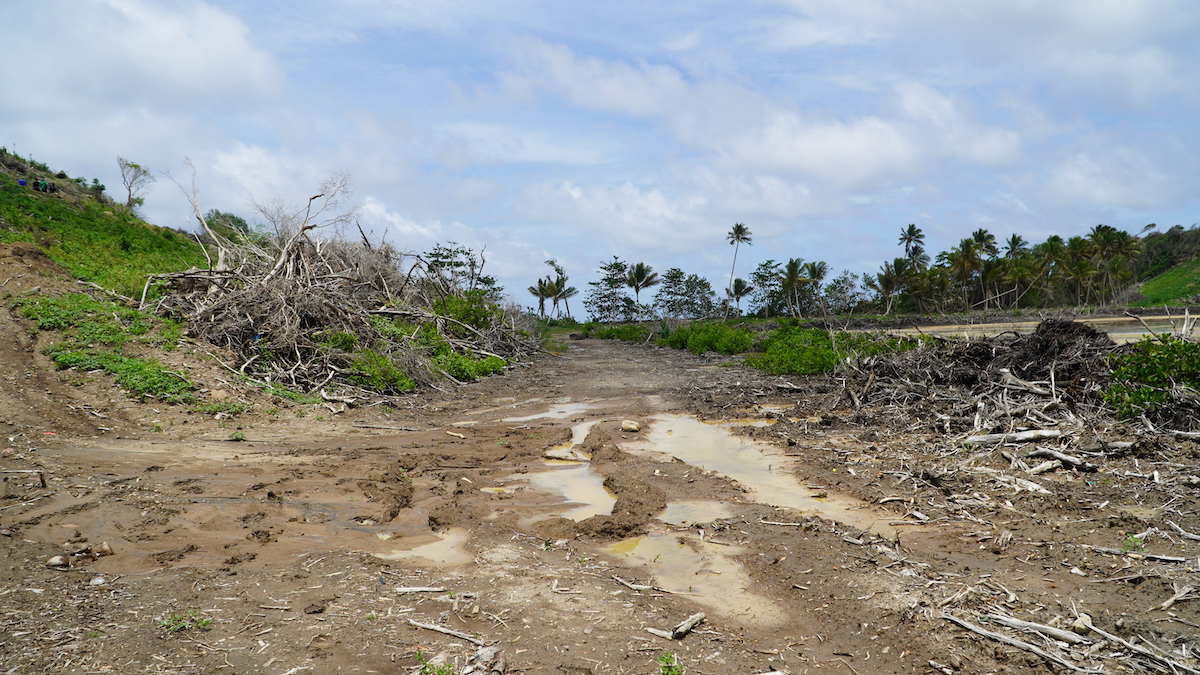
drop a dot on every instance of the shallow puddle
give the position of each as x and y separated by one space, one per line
446 551
706 572
578 484
691 511
558 412
757 466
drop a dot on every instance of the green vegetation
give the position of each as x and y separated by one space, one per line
227 406
94 336
78 227
1178 285
1143 378
193 620
428 668
668 664
710 336
377 373
1133 543
808 351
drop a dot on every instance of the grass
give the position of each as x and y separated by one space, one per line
1172 287
193 620
100 242
94 334
668 664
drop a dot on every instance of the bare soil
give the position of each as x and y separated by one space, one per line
295 542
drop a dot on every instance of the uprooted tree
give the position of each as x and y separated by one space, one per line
302 306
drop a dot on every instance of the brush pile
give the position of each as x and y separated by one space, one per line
1051 376
302 309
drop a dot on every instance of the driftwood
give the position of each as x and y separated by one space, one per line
1028 626
1062 457
1013 642
419 589
1016 437
1170 664
448 631
681 630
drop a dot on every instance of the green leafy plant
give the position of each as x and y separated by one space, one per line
237 436
1133 543
808 351
428 668
1143 378
377 372
227 406
141 377
668 664
193 620
702 337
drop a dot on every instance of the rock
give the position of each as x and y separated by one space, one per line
1082 624
58 561
104 549
630 425
98 581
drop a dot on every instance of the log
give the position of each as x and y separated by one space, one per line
1062 457
686 626
1015 437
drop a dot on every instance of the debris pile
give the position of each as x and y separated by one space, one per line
303 310
1051 376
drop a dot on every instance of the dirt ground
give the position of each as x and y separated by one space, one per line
815 536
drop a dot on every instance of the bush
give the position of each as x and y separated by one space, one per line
699 338
377 373
809 351
629 333
85 319
1143 377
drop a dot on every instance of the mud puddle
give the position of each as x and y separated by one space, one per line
706 572
556 412
761 468
447 551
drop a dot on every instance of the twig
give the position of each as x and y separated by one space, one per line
1013 642
448 631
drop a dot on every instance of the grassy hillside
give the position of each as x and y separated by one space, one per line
81 229
1173 287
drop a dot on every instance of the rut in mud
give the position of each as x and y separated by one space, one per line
816 535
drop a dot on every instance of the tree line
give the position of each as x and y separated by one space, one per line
979 273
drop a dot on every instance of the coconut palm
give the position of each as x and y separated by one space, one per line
792 279
565 293
912 237
541 291
740 234
1015 247
738 290
641 276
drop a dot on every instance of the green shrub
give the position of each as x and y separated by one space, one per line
377 372
466 369
1143 377
629 333
346 342
142 377
227 406
472 308
699 338
809 351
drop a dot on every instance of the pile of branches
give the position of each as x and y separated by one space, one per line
1051 376
299 303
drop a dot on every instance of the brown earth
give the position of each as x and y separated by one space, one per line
292 546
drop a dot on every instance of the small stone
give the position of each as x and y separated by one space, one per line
630 425
104 549
58 561
1082 624
98 581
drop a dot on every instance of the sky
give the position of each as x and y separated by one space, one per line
532 129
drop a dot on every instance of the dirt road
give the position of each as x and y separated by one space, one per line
814 538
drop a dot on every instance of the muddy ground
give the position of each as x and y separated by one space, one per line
815 536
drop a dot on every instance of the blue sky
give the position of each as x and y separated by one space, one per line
584 130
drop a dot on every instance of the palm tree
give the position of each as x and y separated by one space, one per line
639 277
740 234
565 293
815 272
912 237
985 242
541 292
792 279
738 290
1015 247
552 292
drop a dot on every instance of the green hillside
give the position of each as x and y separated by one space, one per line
83 230
1177 286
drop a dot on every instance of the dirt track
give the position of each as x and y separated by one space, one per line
295 541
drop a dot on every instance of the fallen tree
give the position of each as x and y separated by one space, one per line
302 306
